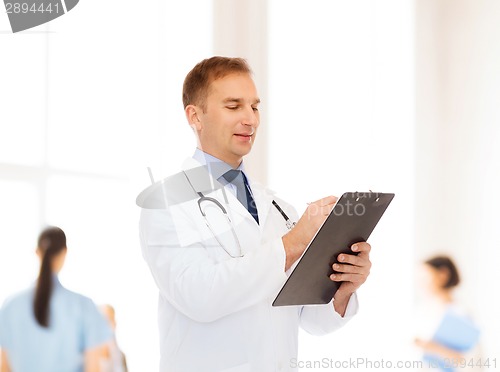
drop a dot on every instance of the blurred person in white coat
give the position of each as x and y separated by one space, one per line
448 335
220 249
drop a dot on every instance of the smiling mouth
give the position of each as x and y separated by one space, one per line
244 135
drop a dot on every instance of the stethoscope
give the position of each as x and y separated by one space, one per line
203 201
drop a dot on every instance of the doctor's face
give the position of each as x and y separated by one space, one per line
228 125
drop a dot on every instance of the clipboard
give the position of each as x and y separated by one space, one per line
352 220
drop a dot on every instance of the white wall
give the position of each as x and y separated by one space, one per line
341 118
241 30
457 136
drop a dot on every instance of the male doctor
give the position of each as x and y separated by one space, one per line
220 246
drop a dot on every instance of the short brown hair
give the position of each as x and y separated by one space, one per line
198 80
446 263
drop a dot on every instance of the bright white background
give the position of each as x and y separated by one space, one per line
342 119
396 96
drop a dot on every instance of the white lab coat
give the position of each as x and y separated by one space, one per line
215 311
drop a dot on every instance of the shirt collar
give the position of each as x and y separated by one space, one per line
215 166
55 280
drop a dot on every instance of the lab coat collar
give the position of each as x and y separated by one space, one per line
173 190
262 196
263 199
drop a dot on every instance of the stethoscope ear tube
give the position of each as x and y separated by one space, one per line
212 200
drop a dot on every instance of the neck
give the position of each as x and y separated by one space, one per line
234 162
445 296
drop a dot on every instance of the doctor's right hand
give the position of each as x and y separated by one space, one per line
297 239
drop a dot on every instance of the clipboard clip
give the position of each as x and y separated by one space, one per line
360 195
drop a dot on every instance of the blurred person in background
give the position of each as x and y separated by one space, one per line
451 342
113 359
48 328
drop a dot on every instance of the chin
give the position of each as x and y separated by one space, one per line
243 150
245 153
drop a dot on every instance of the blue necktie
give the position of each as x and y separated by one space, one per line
243 192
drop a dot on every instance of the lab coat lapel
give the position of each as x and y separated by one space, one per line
199 178
263 199
202 181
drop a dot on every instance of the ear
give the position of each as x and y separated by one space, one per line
192 116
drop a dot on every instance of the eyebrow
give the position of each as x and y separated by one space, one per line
240 100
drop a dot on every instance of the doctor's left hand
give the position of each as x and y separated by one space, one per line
352 270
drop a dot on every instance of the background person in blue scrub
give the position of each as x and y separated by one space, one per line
49 328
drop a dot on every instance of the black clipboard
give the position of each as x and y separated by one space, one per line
352 220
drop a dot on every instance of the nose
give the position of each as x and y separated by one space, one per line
250 117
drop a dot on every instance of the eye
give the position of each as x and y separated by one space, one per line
255 108
232 107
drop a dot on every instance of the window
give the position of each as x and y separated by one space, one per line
87 102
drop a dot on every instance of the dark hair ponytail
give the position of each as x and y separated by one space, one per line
51 241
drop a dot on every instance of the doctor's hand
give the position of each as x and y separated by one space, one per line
352 270
297 239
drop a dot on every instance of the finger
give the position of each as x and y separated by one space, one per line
315 209
361 247
329 200
352 259
338 268
353 278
